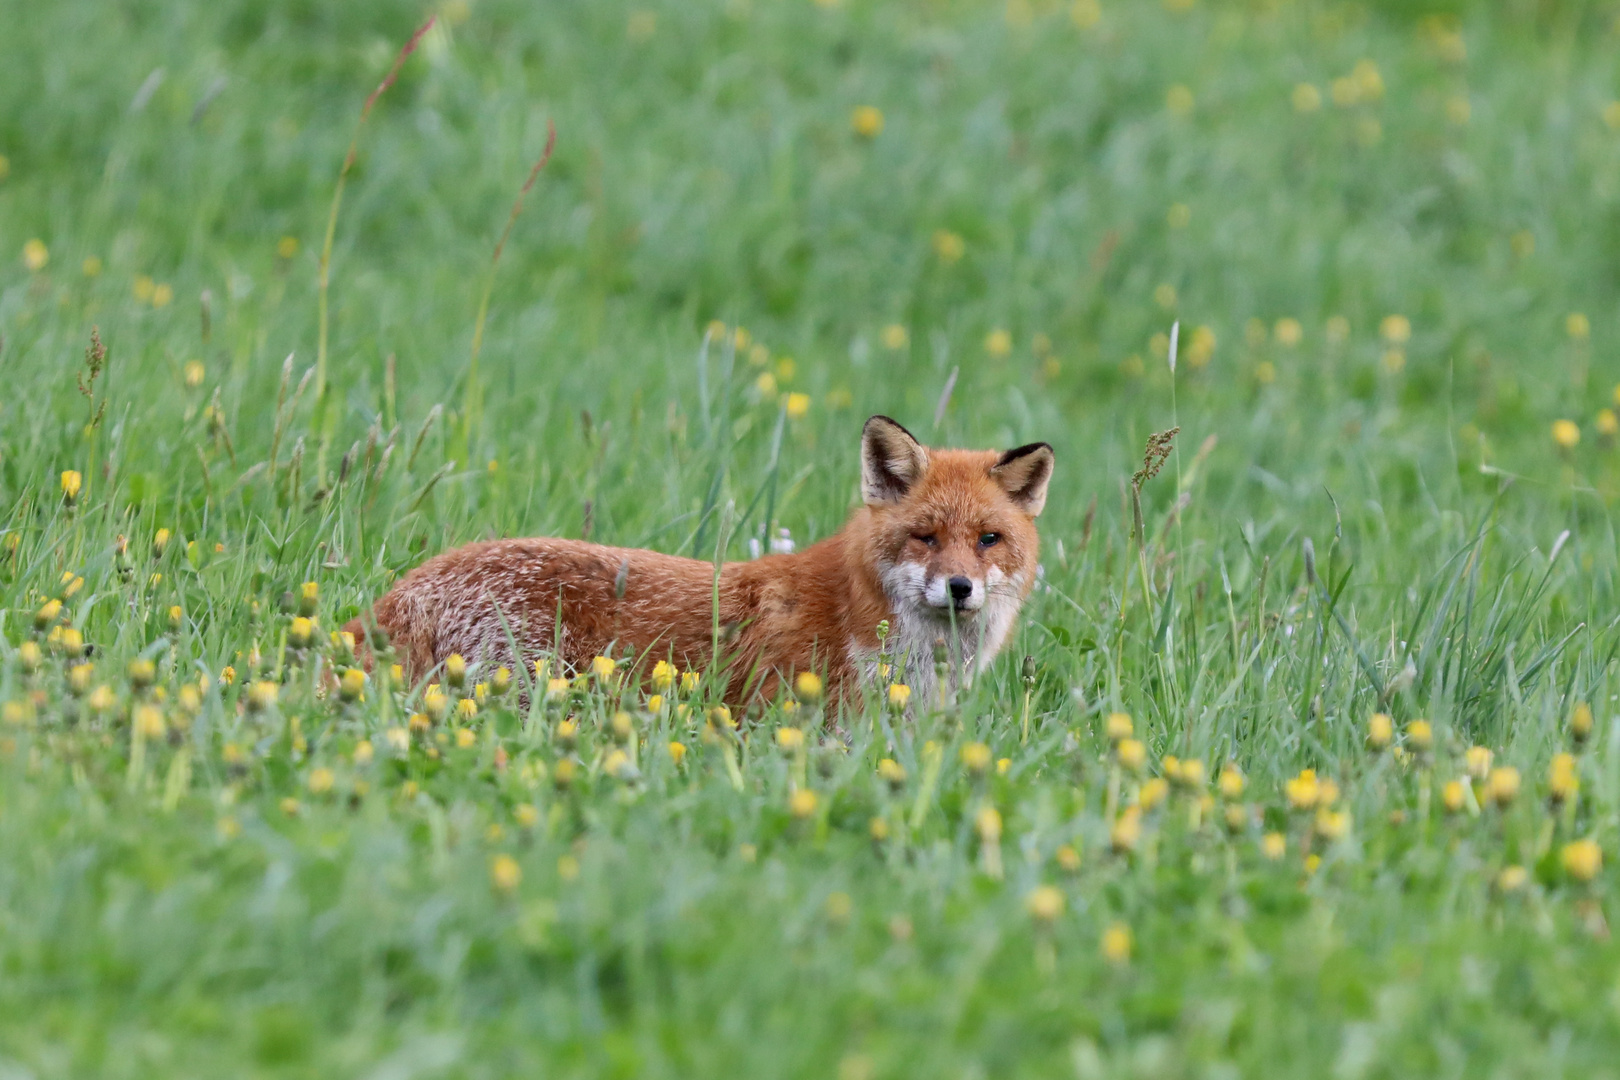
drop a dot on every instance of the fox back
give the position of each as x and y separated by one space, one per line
943 551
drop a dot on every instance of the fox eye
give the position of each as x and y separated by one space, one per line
989 539
927 538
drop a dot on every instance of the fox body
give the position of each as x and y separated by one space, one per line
943 549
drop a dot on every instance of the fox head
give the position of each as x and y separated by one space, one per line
953 530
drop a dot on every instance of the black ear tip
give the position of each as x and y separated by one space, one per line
878 421
1024 451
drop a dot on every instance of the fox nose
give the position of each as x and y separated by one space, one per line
961 588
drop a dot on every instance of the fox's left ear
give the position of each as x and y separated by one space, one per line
1023 473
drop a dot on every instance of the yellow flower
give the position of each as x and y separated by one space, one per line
1512 879
1153 792
465 737
35 254
1003 765
1503 786
1201 347
802 803
655 704
287 246
352 684
1563 778
948 246
466 709
320 781
899 696
299 632
1608 424
1611 115
91 267
1396 329
1274 845
1116 944
1132 754
867 121
1478 761
505 873
797 405
642 25
663 675
1045 904
1580 722
162 295
790 739
1179 100
1380 730
1231 781
72 484
808 686
1119 727
1369 82
1068 858
1126 832
1164 294
556 689
1288 332
455 670
976 758
892 772
720 717
766 385
1304 790
363 752
1307 98
1577 326
143 287
227 675
148 722
1582 859
1458 111
677 753
1566 433
1452 796
998 343
895 337
1191 774
1085 14
689 681
290 806
1420 735
1332 824
988 824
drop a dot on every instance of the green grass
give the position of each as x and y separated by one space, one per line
164 912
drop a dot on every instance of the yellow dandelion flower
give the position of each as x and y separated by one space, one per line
291 806
1582 859
1395 329
287 247
1503 786
1332 824
1116 944
1580 722
505 873
899 696
1132 754
1607 423
1126 832
1068 858
1566 433
1453 797
790 739
1045 904
802 803
1153 793
72 484
1303 790
1274 845
1231 781
689 681
162 295
320 781
976 758
1380 730
987 823
1512 878
949 246
1477 759
1164 294
998 343
1118 727
1420 736
895 336
663 675
35 254
677 753
797 405
1307 98
91 266
892 773
866 121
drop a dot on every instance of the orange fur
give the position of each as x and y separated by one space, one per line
816 610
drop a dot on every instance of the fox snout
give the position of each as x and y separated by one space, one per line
958 591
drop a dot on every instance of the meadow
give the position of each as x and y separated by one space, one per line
1303 759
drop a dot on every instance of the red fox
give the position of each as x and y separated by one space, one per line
944 548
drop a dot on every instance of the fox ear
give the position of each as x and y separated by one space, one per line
1023 473
891 461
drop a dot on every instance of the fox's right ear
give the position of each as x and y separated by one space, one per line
891 461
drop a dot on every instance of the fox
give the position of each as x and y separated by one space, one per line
942 549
